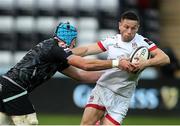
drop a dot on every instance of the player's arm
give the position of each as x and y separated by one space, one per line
58 54
87 50
91 64
95 64
83 76
159 58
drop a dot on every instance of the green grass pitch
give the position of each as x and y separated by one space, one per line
129 120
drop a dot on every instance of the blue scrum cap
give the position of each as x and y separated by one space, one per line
66 33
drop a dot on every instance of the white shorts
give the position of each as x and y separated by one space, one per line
115 105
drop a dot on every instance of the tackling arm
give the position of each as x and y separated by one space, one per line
81 75
90 64
87 50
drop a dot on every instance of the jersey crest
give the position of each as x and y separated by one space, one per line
134 45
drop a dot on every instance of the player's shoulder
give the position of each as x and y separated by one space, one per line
112 37
139 37
143 39
109 40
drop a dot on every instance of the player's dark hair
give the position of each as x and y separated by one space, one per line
130 15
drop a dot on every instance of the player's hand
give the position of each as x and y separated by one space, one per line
126 65
139 65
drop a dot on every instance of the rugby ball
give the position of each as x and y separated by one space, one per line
140 52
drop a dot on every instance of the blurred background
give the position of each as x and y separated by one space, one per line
24 23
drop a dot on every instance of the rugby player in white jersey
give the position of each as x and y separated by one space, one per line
110 99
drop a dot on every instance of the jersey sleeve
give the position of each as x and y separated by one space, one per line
59 54
103 44
151 45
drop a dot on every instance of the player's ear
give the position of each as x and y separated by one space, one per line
137 27
120 24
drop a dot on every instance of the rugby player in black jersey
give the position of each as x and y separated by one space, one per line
39 65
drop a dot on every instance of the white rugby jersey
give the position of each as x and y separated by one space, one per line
116 79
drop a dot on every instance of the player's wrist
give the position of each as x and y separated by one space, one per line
115 63
146 63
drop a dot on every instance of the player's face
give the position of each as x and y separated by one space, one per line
73 43
128 28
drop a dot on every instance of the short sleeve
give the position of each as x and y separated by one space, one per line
103 44
59 54
151 45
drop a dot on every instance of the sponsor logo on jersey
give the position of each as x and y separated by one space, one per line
134 45
148 41
91 98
